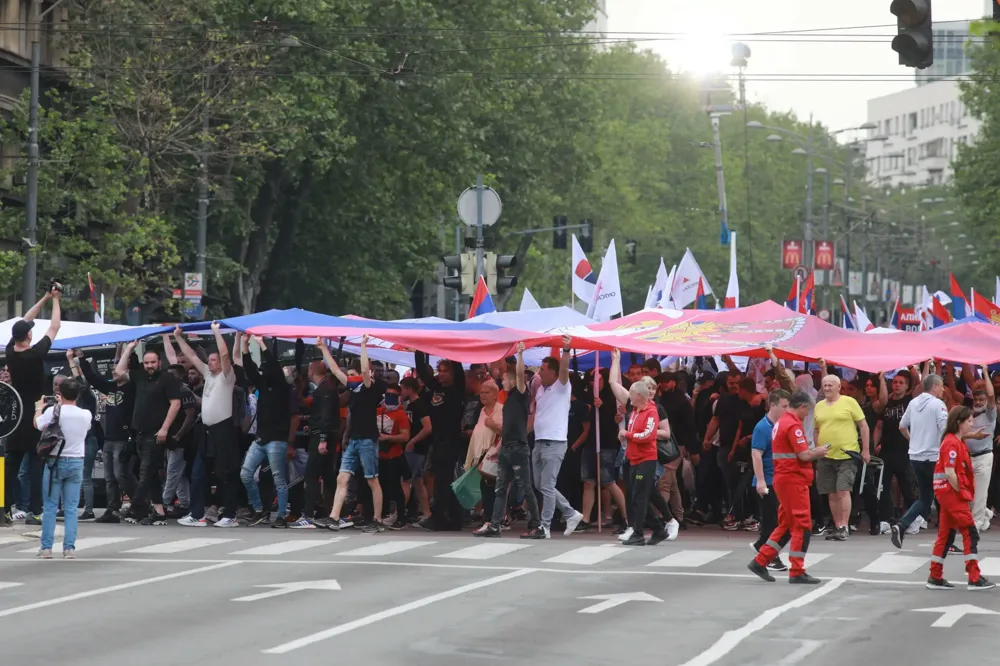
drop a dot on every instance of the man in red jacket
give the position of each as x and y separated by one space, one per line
793 475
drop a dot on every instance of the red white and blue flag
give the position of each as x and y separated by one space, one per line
848 317
482 302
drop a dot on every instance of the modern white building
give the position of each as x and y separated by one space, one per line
924 125
600 22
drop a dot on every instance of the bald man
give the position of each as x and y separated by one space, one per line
837 421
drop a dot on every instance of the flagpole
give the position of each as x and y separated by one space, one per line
798 294
597 436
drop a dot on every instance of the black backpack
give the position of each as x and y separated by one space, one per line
52 441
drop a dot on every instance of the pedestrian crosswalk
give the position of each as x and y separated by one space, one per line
505 552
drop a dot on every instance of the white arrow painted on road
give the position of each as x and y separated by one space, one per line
613 600
6 585
952 614
279 589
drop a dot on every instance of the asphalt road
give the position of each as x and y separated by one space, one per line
169 595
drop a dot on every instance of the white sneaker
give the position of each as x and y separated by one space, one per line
626 535
923 523
884 528
191 521
914 527
572 523
673 527
227 522
548 534
989 513
18 515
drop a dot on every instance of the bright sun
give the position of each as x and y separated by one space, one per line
702 53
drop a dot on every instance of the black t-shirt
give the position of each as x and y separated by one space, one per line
364 409
579 413
515 417
324 410
892 439
188 400
730 411
416 410
27 371
152 400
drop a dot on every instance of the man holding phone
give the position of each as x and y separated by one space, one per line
27 376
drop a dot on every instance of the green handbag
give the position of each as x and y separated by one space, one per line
466 488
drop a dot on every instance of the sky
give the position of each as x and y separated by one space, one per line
814 74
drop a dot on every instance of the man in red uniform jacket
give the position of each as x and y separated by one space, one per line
954 488
793 475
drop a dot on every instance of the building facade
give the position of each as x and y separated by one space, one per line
600 22
950 57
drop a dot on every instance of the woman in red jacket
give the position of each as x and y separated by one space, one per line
640 449
954 488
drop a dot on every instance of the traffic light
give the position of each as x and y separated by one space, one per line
914 41
630 251
586 236
496 281
464 278
559 232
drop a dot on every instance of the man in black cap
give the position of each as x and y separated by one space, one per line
27 376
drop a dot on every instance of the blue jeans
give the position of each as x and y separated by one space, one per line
61 481
274 452
199 487
24 501
924 474
90 455
361 453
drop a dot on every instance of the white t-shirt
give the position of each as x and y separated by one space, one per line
217 398
75 424
552 411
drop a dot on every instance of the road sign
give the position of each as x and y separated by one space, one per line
801 272
952 614
609 601
278 589
193 309
492 207
193 283
824 315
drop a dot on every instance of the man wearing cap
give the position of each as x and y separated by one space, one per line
27 376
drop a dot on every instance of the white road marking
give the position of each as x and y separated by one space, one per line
609 601
806 649
279 589
812 559
952 614
989 566
113 588
6 585
9 540
179 546
891 563
292 546
485 551
690 558
587 555
385 548
84 543
391 612
731 639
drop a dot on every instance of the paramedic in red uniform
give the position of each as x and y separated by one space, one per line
793 475
954 488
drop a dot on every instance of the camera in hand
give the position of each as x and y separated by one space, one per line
55 285
49 400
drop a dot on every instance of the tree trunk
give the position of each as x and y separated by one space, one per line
256 249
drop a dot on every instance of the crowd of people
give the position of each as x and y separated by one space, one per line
207 436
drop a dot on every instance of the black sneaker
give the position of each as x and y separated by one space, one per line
761 571
32 519
279 523
487 531
321 522
583 526
374 527
820 530
637 539
397 525
658 536
259 518
897 536
696 518
803 579
777 565
133 516
537 533
981 584
177 512
108 517
87 517
839 534
939 584
621 530
154 519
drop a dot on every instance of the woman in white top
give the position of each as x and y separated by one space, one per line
485 435
63 475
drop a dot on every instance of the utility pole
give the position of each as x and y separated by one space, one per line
808 230
202 241
30 287
720 180
480 270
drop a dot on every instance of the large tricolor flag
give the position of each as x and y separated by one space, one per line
897 316
984 309
733 290
939 313
584 279
959 306
800 296
701 301
482 302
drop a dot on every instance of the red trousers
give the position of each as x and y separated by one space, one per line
794 524
955 517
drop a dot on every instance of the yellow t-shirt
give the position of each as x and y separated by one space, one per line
837 425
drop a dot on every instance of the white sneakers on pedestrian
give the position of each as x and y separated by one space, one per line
673 528
626 535
191 521
915 526
572 523
227 522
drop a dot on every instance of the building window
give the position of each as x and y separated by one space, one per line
913 123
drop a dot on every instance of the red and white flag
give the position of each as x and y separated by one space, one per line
684 290
861 319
